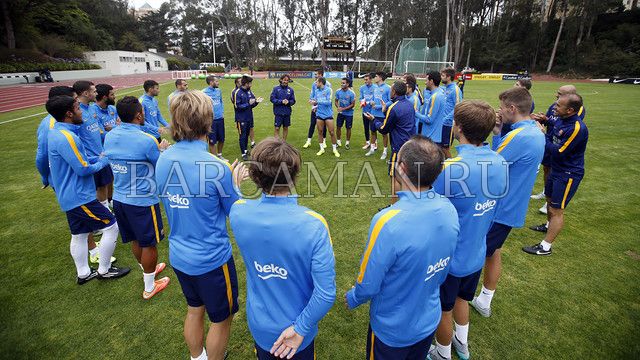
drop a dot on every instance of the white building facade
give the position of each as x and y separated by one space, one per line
120 62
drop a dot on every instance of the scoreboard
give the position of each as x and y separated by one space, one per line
337 44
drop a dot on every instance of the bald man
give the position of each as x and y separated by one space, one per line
566 147
548 120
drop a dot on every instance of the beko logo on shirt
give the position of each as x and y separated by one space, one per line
270 270
433 269
178 201
119 169
484 207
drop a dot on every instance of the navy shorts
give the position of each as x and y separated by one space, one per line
445 139
324 119
377 350
139 223
89 217
282 120
496 237
561 187
159 139
217 290
308 353
458 287
341 119
372 123
217 131
103 177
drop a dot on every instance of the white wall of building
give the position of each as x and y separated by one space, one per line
126 62
156 62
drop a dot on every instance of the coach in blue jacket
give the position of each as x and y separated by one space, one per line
283 98
244 102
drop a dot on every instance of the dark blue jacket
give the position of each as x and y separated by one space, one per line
280 93
244 110
400 122
567 145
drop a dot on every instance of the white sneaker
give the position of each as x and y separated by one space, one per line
543 209
460 348
339 142
540 196
306 144
371 151
384 154
484 312
366 146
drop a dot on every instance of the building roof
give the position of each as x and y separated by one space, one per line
146 6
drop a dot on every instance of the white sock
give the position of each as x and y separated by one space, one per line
547 225
245 152
324 142
335 146
308 139
485 297
384 149
545 245
149 280
78 249
105 204
462 332
94 251
202 356
107 246
368 142
347 143
339 142
444 350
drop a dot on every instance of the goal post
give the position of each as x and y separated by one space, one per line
422 67
367 66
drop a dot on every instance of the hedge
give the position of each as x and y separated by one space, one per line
52 66
215 69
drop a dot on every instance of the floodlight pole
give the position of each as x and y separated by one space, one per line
213 42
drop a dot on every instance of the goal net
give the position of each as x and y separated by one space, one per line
361 66
423 67
416 55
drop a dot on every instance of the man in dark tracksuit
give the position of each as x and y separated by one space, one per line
283 98
566 146
399 122
244 102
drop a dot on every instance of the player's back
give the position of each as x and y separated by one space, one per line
474 181
420 235
281 244
197 192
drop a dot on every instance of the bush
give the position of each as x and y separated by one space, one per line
52 66
175 64
215 69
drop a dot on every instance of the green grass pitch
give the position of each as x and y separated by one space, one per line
582 302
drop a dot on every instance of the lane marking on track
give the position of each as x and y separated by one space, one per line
42 113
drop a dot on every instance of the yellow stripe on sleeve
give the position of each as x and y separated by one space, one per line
323 220
372 241
151 136
74 147
580 111
52 122
576 130
433 101
450 161
387 116
508 139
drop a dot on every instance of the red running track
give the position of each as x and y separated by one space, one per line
15 97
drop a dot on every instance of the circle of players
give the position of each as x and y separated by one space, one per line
110 168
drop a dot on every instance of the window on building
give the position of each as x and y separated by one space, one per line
157 63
